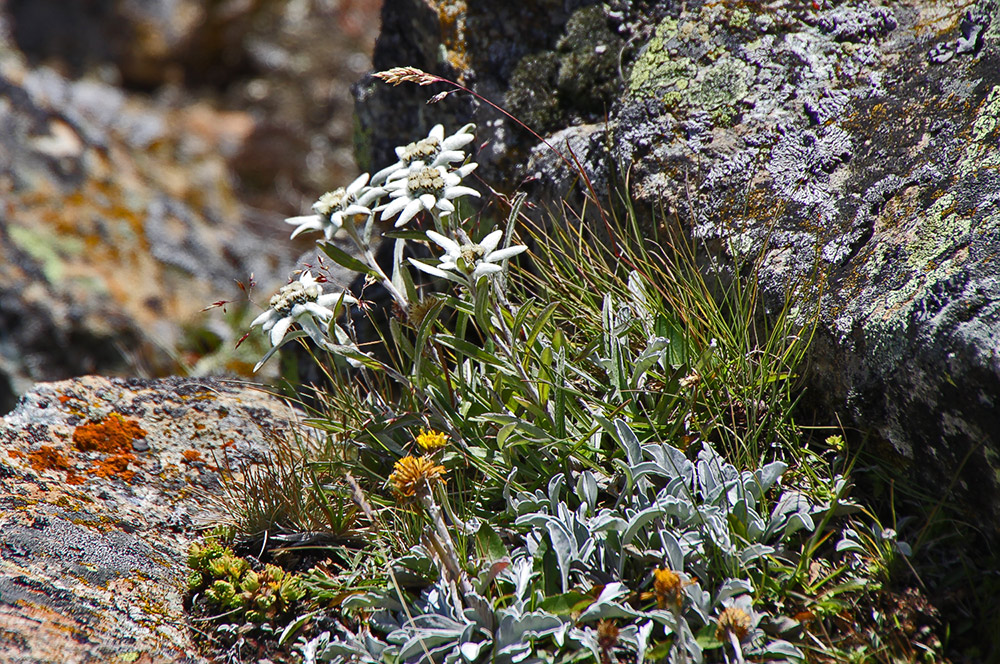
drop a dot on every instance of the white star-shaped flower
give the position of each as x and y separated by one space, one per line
305 303
435 150
469 258
332 207
430 188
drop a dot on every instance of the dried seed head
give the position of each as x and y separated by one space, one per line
398 75
607 634
733 621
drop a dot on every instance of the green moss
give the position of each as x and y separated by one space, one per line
532 95
588 69
579 78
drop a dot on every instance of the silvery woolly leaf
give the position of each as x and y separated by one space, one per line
629 442
850 542
779 648
640 521
732 588
555 491
607 606
799 521
672 548
755 552
641 470
607 520
564 546
765 478
642 641
470 650
427 638
673 462
586 489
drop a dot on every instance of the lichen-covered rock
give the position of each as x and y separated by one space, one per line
858 141
104 483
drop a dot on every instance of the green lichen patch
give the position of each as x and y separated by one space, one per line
982 152
669 71
48 249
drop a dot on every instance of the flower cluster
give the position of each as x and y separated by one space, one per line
302 302
426 178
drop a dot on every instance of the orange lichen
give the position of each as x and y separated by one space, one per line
114 465
47 457
15 454
191 456
112 435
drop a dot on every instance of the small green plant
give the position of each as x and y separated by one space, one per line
238 593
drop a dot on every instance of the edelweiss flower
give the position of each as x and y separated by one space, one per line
469 258
435 150
427 189
301 302
331 208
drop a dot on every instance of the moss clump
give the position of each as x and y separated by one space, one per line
532 95
576 81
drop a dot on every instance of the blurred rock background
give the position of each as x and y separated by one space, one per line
149 151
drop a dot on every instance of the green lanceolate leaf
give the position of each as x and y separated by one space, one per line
342 258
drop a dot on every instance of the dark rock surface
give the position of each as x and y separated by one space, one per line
148 154
857 140
92 568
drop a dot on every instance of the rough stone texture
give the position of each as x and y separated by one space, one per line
95 572
857 140
148 154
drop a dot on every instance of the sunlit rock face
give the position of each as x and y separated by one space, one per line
857 146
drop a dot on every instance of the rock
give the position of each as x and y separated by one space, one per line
124 214
857 141
93 544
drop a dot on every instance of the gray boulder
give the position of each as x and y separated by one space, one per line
95 529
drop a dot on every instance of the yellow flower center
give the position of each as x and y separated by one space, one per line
426 181
421 150
292 294
332 201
